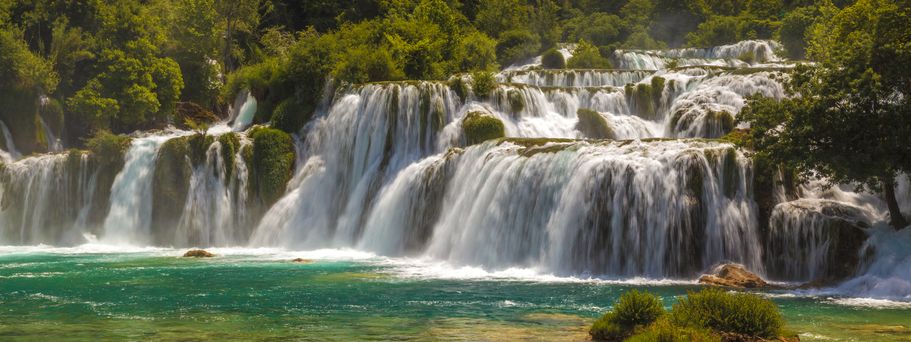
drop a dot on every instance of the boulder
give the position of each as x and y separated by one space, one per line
302 261
198 253
734 275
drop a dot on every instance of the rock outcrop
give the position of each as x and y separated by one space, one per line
198 253
734 275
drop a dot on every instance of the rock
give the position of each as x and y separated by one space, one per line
198 253
189 115
815 241
302 261
734 275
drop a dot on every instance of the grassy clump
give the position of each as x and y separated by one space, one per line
663 331
736 313
230 144
273 163
108 148
634 310
483 82
479 128
553 59
516 100
593 125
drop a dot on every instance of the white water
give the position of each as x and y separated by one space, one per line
245 105
11 154
130 213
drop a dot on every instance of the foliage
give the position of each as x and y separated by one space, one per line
479 128
598 28
663 331
739 313
482 83
793 31
633 310
516 46
107 147
852 118
553 59
587 56
273 163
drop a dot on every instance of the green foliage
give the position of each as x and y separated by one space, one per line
738 313
593 125
598 28
793 31
518 45
290 116
107 147
634 310
553 59
588 56
663 331
479 128
717 30
230 145
483 83
273 163
496 17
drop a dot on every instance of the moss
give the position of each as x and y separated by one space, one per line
273 163
198 146
516 101
171 182
290 115
109 148
735 313
593 125
747 56
483 83
479 128
535 142
723 118
632 311
459 86
230 144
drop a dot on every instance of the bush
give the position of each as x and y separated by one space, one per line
793 31
593 125
273 163
588 56
553 59
663 331
108 147
516 46
740 313
633 310
479 128
289 116
483 82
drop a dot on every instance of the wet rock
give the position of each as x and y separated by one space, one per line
302 261
198 253
734 275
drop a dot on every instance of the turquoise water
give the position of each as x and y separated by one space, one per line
60 294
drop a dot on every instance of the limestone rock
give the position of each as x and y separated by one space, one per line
734 275
198 253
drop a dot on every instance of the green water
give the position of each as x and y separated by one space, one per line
159 296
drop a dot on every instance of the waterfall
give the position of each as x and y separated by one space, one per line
13 154
573 78
130 212
245 105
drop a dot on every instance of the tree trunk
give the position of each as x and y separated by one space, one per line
895 212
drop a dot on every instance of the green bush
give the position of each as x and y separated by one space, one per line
632 311
479 128
663 331
793 30
553 59
516 46
108 147
483 82
273 163
738 313
593 125
290 115
588 56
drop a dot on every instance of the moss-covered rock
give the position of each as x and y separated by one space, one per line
479 128
171 182
230 145
553 59
272 163
593 125
483 83
108 148
290 115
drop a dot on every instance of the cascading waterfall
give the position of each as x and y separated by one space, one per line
245 110
11 154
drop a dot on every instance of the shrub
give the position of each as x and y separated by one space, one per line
479 128
108 147
289 116
273 163
588 56
740 313
553 59
633 310
483 82
517 45
663 331
593 125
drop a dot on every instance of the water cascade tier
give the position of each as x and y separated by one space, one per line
596 173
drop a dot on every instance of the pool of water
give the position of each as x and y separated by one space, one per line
91 294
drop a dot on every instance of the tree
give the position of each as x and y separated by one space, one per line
237 16
852 118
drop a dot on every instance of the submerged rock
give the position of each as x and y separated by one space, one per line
198 253
734 275
302 261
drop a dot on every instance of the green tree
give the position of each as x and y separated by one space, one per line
587 56
852 117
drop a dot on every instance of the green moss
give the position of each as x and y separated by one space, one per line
730 172
459 86
483 83
593 125
725 119
634 310
553 59
273 163
171 182
657 89
230 144
516 100
290 115
108 148
736 313
479 128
